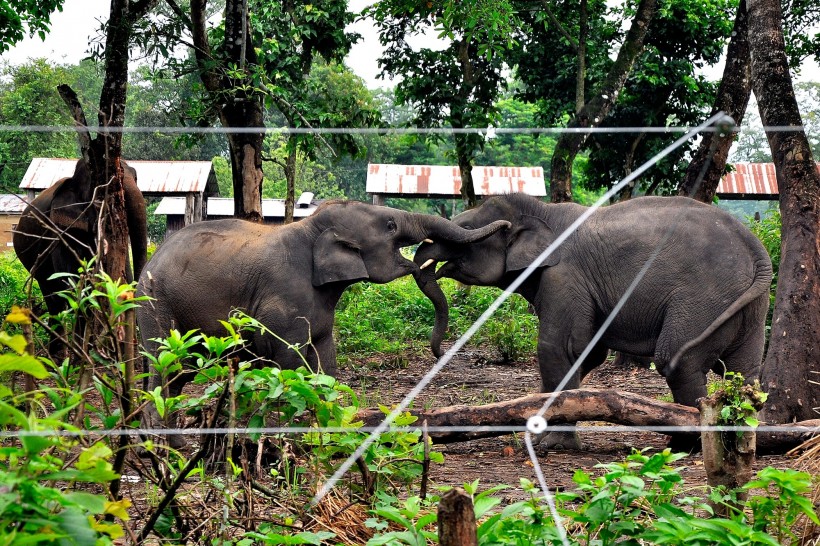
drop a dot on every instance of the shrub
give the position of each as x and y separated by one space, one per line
13 290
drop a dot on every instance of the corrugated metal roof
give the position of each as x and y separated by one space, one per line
223 207
11 203
752 179
422 180
152 176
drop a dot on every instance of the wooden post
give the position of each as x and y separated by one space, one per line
728 456
456 519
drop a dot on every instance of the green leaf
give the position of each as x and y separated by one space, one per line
22 363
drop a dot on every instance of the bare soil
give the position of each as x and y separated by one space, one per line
475 376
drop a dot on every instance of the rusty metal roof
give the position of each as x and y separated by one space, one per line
161 177
11 203
749 180
219 207
442 180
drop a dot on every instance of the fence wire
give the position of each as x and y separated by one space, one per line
536 424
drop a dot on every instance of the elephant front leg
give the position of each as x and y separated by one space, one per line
555 364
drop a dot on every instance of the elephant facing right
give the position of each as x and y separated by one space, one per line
700 306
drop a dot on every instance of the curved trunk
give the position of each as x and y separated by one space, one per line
435 227
426 281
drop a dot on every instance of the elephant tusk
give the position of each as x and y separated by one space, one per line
428 241
428 262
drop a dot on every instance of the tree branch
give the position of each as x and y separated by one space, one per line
80 123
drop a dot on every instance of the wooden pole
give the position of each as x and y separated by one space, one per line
456 519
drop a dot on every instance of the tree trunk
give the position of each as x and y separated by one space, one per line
465 166
290 179
709 163
242 110
593 113
793 357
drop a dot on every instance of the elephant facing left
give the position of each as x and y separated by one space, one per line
56 231
289 278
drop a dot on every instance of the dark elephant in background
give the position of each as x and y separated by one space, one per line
290 277
701 305
57 230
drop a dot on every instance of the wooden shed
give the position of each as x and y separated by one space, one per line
193 181
11 207
442 181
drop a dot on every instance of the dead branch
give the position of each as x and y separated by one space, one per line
611 406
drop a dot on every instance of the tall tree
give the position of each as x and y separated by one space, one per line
455 86
601 101
793 357
18 19
709 161
257 56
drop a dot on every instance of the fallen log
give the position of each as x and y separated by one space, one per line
611 406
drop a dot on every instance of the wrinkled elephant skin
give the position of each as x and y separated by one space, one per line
289 278
701 305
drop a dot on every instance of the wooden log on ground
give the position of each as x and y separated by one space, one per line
611 406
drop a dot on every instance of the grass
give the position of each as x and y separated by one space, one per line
396 319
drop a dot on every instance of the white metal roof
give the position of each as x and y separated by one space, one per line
152 176
11 203
426 180
223 206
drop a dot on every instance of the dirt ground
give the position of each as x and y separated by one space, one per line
475 377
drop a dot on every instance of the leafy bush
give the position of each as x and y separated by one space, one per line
641 500
13 277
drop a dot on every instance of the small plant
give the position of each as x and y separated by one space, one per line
739 402
45 475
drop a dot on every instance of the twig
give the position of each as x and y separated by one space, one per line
192 462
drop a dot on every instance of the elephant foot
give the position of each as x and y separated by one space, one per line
559 441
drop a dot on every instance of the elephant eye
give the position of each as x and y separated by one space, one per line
391 226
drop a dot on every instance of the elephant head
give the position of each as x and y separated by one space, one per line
492 261
57 230
357 241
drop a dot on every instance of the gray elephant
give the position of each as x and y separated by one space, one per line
702 304
287 277
57 230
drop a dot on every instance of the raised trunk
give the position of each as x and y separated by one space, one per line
793 358
443 231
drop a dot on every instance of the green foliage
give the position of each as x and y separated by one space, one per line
395 317
739 402
13 279
19 18
48 477
768 231
641 500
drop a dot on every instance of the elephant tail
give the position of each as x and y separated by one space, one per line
760 285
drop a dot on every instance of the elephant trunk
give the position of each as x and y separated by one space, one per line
426 281
441 229
426 259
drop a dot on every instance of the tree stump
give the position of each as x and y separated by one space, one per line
456 519
728 455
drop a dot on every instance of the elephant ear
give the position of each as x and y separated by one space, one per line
529 241
67 210
336 259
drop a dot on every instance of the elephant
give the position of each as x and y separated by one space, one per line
701 305
289 278
57 230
